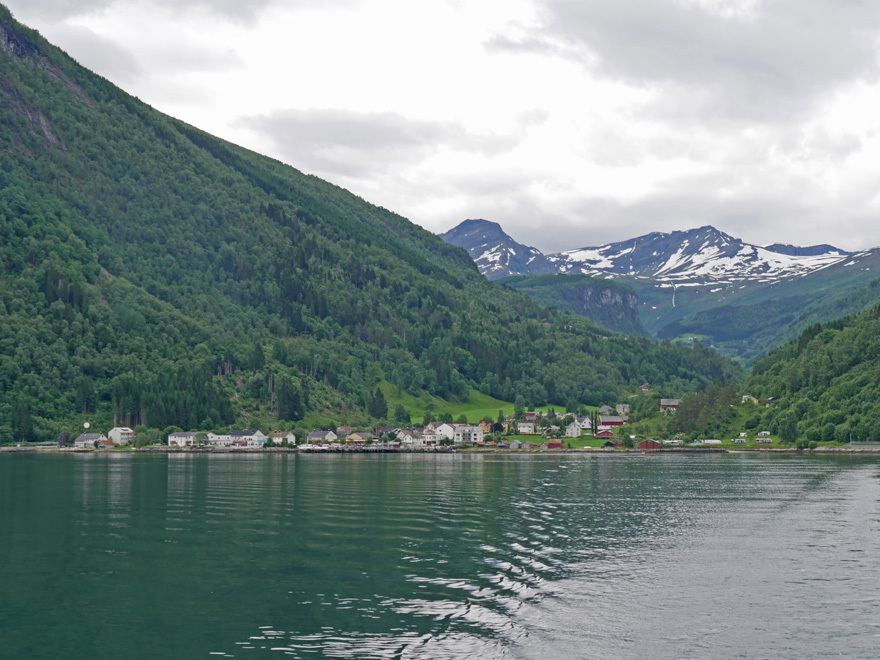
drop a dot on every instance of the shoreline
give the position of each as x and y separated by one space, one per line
486 451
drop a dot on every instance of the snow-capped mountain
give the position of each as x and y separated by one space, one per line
704 255
701 284
496 254
699 255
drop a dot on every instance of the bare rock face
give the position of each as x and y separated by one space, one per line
17 46
22 108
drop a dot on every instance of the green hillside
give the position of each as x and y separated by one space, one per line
825 384
153 274
608 303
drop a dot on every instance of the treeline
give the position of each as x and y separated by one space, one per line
155 274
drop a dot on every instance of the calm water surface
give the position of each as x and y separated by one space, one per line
273 556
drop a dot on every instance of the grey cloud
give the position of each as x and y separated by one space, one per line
96 52
244 10
773 65
351 143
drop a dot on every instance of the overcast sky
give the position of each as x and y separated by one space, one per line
569 122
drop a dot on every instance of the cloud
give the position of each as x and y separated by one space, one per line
756 62
96 52
241 10
350 144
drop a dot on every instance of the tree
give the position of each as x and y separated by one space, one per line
21 421
64 439
289 399
462 419
377 406
519 406
402 416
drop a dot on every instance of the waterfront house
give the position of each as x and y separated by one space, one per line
182 439
321 436
467 435
516 444
552 444
648 444
247 438
105 444
121 435
280 437
88 440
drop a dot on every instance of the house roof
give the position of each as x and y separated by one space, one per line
89 437
242 433
670 402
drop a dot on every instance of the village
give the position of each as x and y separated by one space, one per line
534 431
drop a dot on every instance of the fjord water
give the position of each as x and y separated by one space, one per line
453 556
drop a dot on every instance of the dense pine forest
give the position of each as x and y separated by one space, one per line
153 274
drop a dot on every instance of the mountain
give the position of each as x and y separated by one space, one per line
496 254
703 255
155 275
742 299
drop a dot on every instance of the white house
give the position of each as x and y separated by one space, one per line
280 437
585 423
182 439
121 435
465 434
573 430
87 440
525 428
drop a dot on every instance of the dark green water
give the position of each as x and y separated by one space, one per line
271 556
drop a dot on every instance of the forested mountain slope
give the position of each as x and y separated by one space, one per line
826 383
153 273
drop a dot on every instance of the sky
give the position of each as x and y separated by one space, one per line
571 123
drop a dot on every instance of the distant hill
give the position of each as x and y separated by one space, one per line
153 274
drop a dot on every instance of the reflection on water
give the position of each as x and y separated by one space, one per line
358 556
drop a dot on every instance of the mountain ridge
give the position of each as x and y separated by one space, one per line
681 277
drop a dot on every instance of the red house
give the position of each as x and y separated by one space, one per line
605 434
649 444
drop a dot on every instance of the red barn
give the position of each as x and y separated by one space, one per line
649 444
